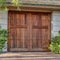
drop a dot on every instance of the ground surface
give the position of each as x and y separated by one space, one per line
29 56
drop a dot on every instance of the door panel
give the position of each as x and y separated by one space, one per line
29 31
36 31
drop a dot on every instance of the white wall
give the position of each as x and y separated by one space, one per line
55 22
3 20
4 24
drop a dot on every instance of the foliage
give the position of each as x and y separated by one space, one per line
16 3
3 4
3 38
55 44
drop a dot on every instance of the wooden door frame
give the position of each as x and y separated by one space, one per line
8 43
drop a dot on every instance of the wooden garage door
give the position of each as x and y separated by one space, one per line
29 31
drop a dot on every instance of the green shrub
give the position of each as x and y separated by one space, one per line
55 44
3 38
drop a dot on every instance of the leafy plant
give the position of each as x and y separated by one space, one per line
3 38
4 5
55 44
16 3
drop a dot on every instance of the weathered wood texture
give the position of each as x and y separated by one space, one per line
29 31
50 2
51 5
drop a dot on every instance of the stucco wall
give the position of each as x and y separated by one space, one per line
55 22
4 24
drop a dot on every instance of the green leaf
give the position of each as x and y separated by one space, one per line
3 38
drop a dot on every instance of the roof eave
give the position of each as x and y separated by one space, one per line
43 6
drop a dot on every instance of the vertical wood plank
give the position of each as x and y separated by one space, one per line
28 30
